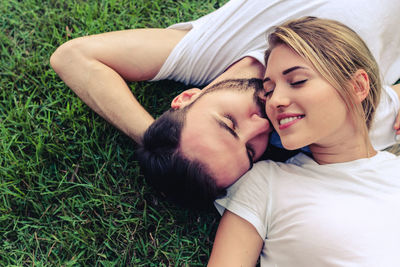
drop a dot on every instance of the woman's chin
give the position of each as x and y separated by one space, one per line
292 145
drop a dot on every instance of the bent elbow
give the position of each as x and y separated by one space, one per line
55 60
66 56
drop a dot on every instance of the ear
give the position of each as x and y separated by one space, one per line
185 98
360 84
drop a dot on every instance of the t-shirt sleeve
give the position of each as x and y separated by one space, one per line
215 41
382 134
249 198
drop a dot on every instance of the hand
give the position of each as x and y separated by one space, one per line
396 126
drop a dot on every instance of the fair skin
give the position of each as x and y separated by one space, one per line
217 131
288 81
97 67
300 101
396 125
237 243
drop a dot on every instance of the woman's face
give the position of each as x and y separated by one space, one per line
302 106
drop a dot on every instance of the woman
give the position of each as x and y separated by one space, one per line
339 206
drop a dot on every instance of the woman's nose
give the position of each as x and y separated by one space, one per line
278 99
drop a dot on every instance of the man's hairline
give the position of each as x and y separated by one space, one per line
215 88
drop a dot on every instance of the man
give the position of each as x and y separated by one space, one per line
226 44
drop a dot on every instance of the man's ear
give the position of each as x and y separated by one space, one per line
360 84
185 98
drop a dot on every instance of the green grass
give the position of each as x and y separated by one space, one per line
70 189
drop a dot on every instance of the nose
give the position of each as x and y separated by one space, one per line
278 99
256 126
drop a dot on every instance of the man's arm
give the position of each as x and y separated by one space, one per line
96 67
237 243
396 88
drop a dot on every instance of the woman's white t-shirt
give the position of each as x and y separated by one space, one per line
311 215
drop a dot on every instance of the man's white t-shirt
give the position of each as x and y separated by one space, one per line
239 29
311 215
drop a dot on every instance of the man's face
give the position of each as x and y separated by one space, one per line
227 131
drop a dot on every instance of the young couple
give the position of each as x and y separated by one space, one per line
338 205
212 136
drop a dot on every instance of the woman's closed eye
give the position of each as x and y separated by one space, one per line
269 87
298 83
268 94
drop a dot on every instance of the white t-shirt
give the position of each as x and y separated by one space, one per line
344 214
239 29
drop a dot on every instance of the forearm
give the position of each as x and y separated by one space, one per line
96 67
104 90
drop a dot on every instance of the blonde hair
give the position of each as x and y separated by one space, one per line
336 52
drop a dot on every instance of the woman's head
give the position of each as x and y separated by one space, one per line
340 57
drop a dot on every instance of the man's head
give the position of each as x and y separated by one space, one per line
206 141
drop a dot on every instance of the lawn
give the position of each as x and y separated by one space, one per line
70 189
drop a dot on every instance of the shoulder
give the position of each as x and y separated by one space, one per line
256 185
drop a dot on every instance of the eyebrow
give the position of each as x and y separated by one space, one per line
285 72
289 70
224 126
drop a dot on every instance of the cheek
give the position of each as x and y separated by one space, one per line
268 108
270 111
330 108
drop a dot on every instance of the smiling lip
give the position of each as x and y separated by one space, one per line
287 120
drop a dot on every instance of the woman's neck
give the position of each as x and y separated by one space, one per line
349 150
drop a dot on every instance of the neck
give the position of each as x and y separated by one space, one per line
353 149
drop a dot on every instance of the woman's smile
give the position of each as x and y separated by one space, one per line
287 120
